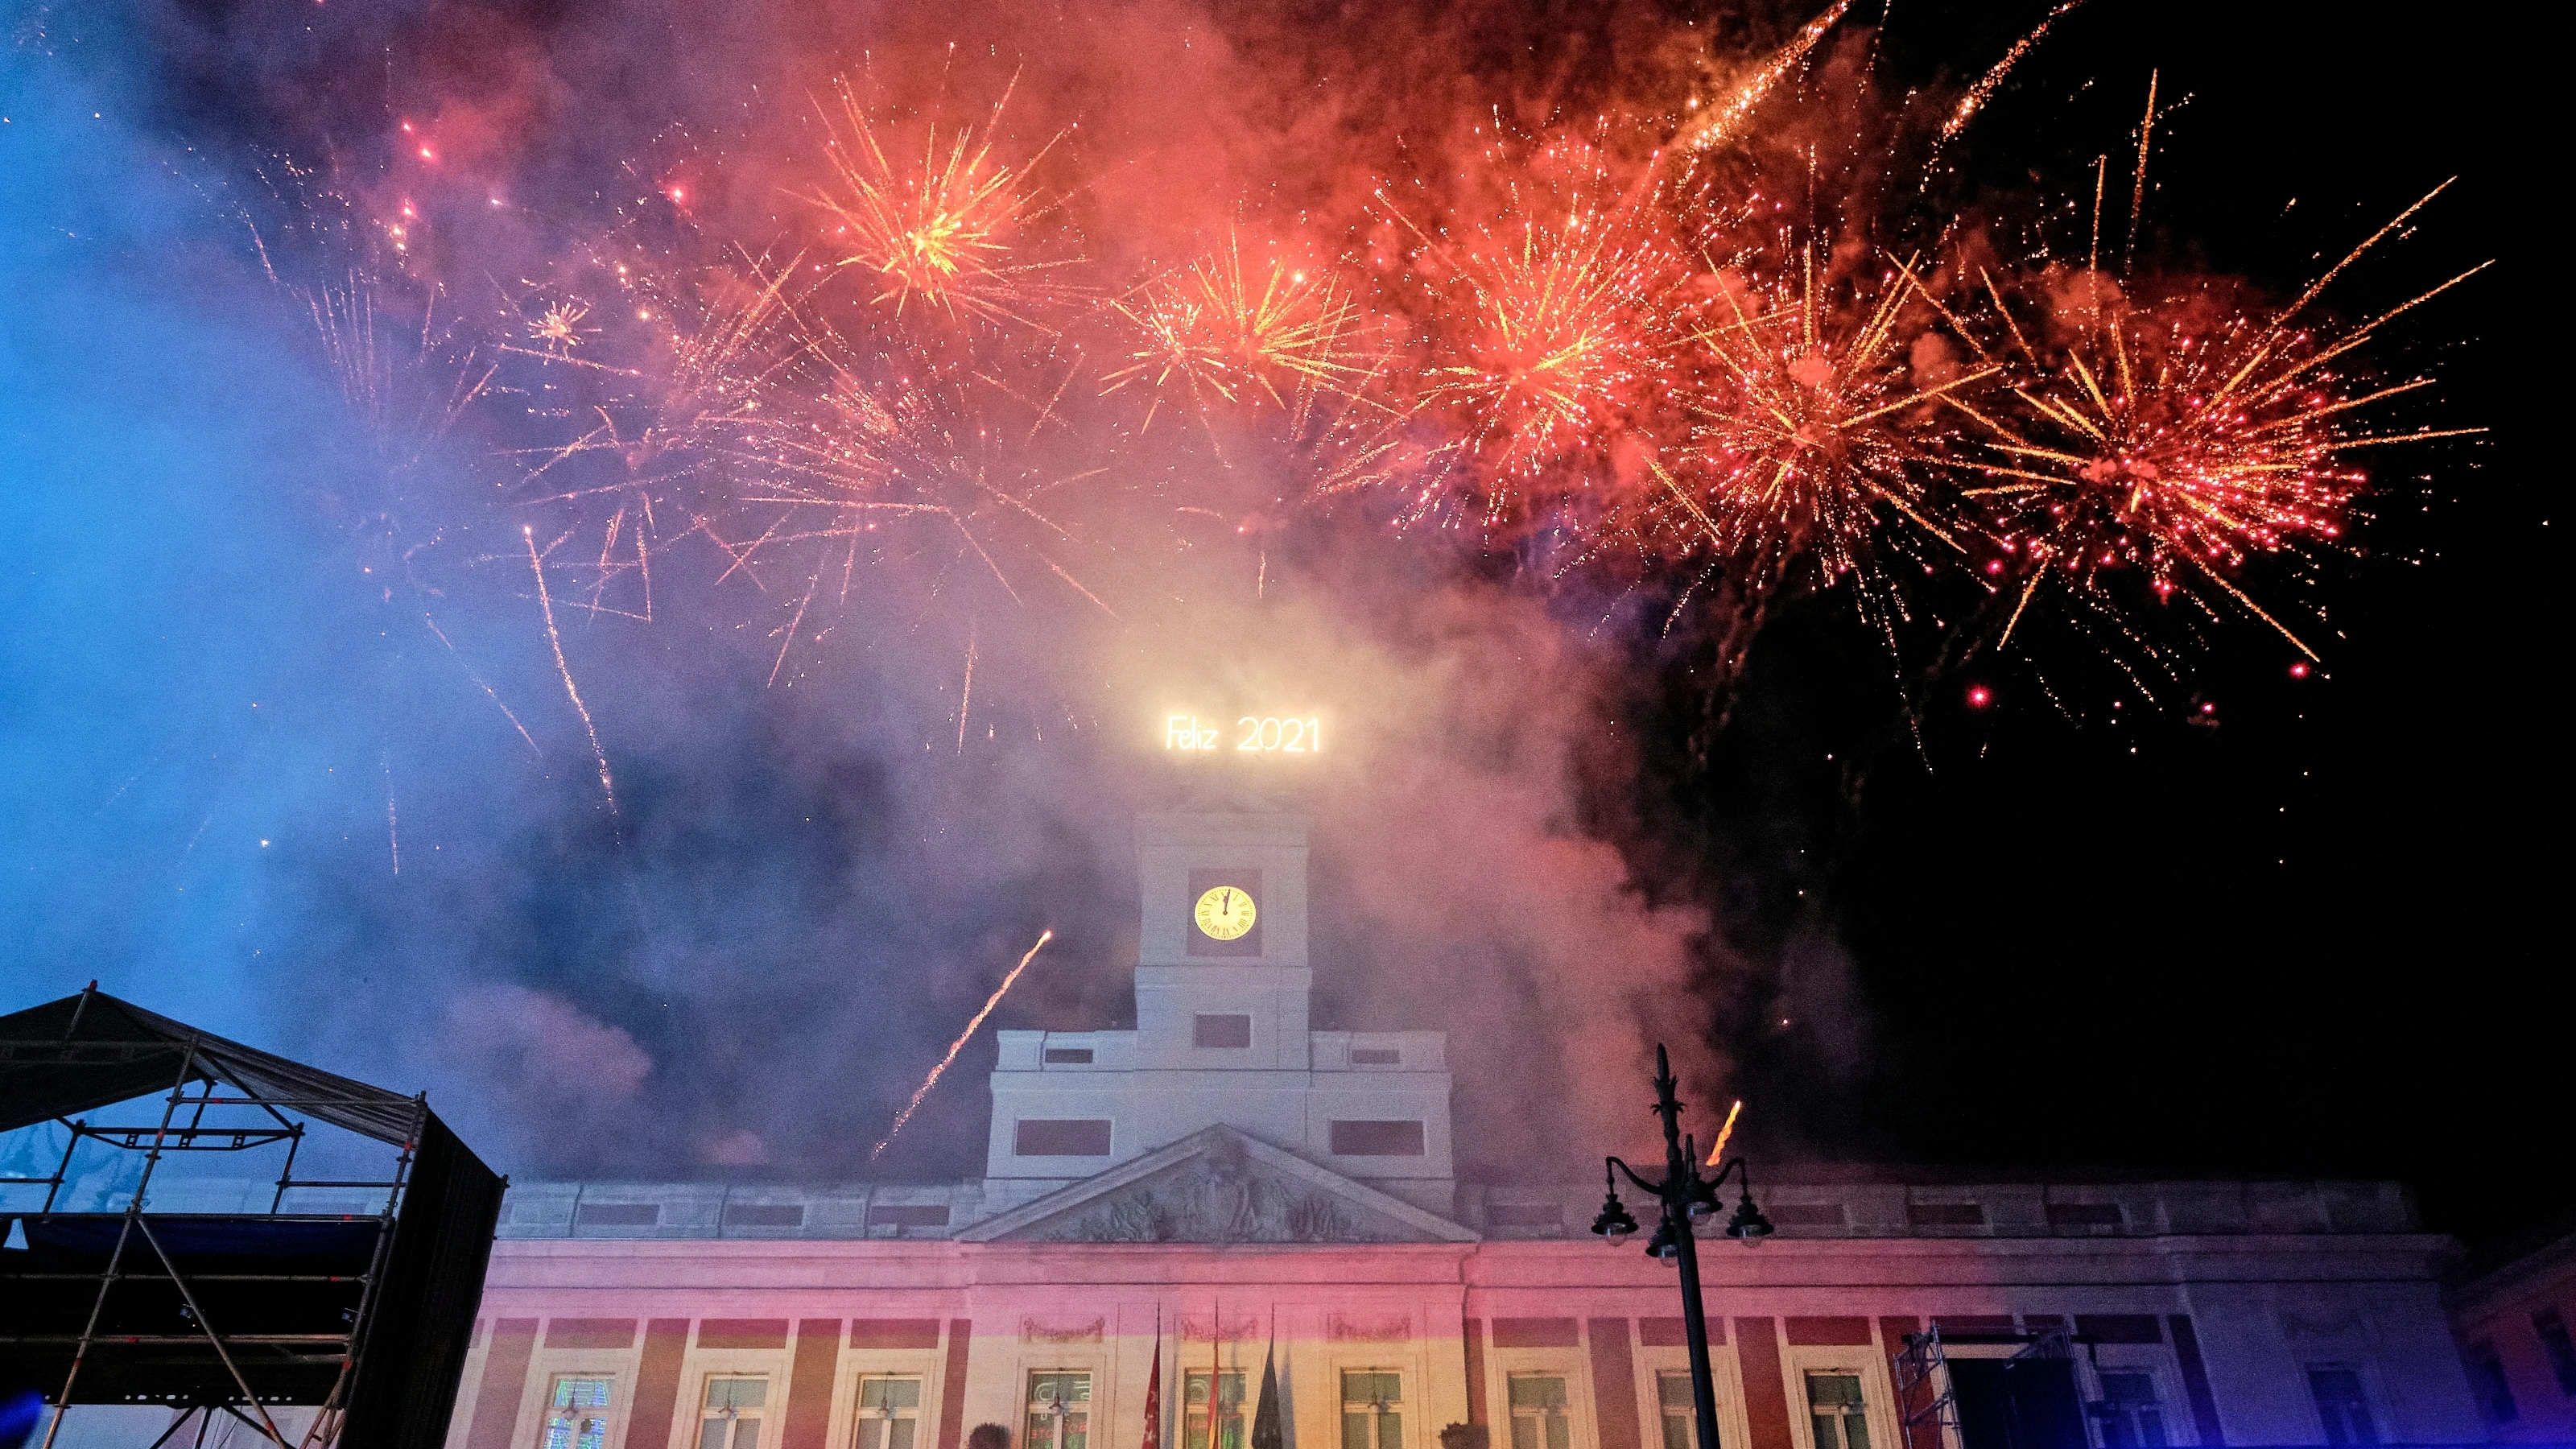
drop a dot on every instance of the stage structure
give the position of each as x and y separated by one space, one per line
352 1294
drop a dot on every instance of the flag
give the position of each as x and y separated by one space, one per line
1265 1411
1154 1388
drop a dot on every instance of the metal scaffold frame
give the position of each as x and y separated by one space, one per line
163 1321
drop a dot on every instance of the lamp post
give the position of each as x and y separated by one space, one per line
1685 1198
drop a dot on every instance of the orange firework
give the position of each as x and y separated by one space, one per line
2176 439
949 230
1558 345
1279 339
1811 439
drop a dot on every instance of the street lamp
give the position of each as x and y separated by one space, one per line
1686 1197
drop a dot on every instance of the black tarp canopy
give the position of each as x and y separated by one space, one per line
91 1049
406 1350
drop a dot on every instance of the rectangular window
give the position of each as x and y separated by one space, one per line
1059 1410
577 1413
1377 1139
889 1411
732 1414
1229 1030
1680 1412
2084 1215
1945 1215
1068 1056
1834 1407
1229 1410
1376 1057
1036 1137
2131 1418
1372 1409
618 1214
2340 1405
766 1215
2494 1390
2552 1330
1538 1411
907 1215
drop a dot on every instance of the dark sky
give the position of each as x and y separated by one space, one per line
2257 924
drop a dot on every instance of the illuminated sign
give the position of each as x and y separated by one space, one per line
1251 734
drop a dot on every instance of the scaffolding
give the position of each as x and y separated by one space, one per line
233 1314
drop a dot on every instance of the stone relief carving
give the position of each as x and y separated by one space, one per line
1033 1331
1220 1197
1343 1328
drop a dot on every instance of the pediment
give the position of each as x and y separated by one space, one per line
1218 1185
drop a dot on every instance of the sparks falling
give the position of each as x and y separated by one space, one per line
563 668
957 1046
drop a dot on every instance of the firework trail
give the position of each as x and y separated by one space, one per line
966 697
1984 90
1718 1152
1720 124
563 667
957 1046
393 833
488 693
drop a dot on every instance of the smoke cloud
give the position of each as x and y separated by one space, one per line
287 747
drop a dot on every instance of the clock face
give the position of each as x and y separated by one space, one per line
1224 913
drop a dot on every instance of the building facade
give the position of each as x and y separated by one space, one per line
2512 1317
1223 1188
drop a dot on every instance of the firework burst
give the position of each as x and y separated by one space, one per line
2174 441
951 230
1557 364
1280 339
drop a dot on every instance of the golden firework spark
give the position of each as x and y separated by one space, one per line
949 230
1281 339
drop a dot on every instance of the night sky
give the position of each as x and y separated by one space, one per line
2254 924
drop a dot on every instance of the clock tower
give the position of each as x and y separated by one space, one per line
1222 1035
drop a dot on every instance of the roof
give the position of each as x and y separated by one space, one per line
90 1050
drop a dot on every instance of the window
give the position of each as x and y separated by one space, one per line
577 1416
889 1411
1834 1406
1229 1410
1059 1410
2553 1343
1372 1409
1037 1137
2130 1416
1538 1411
907 1215
1376 1057
1673 1401
2340 1405
2084 1215
1945 1214
1377 1139
765 1215
1068 1056
735 1405
1232 1030
2486 1376
618 1214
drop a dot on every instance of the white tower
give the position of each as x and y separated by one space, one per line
1221 1037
